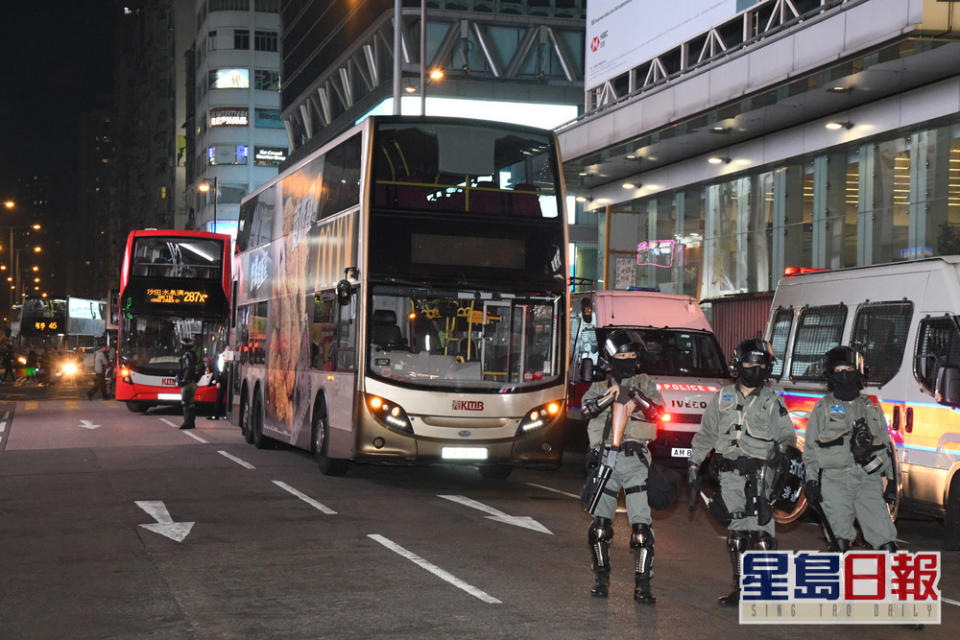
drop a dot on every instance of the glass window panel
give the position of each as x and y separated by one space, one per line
938 344
880 334
819 330
891 194
779 336
691 251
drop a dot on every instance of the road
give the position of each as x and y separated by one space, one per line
277 550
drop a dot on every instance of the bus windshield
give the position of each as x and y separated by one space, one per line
160 257
151 344
464 341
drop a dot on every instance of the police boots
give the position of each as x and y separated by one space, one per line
641 541
599 536
737 543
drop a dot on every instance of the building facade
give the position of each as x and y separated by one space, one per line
789 134
237 137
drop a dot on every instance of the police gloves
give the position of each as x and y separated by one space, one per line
693 475
890 493
811 489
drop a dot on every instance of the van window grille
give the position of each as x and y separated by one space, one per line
782 320
938 344
880 334
819 330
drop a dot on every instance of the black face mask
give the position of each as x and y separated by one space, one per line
845 385
752 377
621 368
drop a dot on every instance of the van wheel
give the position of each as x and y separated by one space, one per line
495 471
260 441
951 529
320 441
245 427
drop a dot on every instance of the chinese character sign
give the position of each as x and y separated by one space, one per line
858 587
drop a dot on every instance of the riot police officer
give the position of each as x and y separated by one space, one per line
744 424
187 378
624 437
847 451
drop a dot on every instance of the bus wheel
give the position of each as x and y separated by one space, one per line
137 407
951 529
495 471
321 439
245 419
260 441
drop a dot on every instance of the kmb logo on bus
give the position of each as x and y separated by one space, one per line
169 382
468 405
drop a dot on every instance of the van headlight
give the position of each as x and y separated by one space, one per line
389 414
540 417
69 368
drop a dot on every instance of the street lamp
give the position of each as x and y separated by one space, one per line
9 204
204 187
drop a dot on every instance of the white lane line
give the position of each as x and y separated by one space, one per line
949 601
546 488
3 426
310 501
434 569
172 424
242 463
195 437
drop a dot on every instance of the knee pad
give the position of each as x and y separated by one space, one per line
601 530
766 542
739 541
642 536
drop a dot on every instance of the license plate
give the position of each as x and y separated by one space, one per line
168 396
678 452
463 453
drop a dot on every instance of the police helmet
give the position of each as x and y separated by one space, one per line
753 351
622 341
839 356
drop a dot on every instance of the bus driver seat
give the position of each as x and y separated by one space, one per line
386 332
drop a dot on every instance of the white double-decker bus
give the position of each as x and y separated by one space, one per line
402 298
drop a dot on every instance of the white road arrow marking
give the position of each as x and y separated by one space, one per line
499 516
165 525
88 424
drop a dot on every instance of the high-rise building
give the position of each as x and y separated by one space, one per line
237 139
92 226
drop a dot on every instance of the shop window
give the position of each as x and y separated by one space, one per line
265 40
241 38
266 80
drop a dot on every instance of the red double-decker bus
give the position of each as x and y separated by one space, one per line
174 284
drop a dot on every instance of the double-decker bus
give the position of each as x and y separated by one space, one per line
402 298
173 285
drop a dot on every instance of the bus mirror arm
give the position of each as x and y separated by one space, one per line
586 370
948 386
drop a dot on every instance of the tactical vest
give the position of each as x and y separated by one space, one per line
744 429
832 447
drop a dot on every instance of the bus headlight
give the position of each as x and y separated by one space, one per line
125 375
540 416
389 414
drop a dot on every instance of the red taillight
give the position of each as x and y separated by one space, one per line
666 417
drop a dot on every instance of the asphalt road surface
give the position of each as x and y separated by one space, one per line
249 543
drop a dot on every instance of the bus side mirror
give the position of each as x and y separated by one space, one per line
344 292
948 386
586 370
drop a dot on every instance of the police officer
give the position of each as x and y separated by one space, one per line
847 451
188 382
743 424
632 459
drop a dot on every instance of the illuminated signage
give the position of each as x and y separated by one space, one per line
46 325
269 156
656 253
229 79
269 118
229 117
176 296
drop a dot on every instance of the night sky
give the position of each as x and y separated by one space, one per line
56 62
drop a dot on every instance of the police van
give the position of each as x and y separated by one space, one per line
903 317
683 356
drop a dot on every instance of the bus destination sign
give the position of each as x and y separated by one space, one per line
46 325
176 296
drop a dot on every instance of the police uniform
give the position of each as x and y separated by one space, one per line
630 471
849 491
744 433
